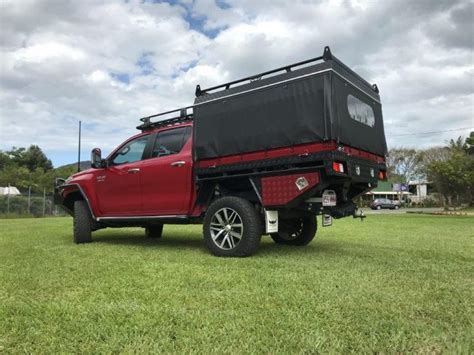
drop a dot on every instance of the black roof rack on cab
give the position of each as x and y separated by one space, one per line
184 116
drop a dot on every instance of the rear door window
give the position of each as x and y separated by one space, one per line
170 142
360 111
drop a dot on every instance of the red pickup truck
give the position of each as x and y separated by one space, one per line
261 155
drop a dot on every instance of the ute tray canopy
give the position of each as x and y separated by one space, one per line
325 101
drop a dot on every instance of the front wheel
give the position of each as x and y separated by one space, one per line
82 228
296 231
232 227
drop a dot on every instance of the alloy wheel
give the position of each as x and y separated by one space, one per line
227 228
291 229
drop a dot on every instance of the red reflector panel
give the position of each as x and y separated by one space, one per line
338 167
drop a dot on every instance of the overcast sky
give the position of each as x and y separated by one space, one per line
108 63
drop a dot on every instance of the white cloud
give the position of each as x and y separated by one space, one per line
108 63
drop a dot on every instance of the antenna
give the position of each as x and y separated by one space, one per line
79 149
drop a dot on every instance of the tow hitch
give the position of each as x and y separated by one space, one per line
359 214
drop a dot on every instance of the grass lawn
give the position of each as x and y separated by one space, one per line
394 283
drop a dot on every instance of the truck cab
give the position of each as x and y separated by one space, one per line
150 174
264 157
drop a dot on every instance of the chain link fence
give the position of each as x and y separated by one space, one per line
29 204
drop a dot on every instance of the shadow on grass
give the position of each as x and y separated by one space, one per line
195 241
140 240
316 247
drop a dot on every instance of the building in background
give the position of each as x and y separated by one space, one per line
9 190
421 191
414 193
385 189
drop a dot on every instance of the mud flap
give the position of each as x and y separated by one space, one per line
327 220
271 221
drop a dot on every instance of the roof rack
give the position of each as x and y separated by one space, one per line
184 116
327 55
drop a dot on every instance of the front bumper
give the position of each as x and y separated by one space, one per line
58 198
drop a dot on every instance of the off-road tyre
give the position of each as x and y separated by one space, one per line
82 224
247 216
296 231
155 231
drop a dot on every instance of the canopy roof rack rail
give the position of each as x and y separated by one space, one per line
184 116
327 55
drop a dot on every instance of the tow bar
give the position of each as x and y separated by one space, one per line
359 214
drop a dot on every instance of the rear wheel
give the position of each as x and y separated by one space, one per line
296 231
154 231
379 207
82 228
397 207
232 227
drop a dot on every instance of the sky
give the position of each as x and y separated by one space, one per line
108 63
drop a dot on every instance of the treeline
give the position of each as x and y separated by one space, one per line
27 168
449 168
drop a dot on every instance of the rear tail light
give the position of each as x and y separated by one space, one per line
382 175
338 167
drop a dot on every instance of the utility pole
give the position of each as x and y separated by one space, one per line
79 149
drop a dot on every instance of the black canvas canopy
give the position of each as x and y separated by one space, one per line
320 102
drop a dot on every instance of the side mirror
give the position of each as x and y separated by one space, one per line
96 158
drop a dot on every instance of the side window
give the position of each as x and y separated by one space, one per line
360 111
170 142
131 152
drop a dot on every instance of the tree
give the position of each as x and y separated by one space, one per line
4 160
31 158
17 176
454 176
469 145
403 164
30 168
430 156
457 144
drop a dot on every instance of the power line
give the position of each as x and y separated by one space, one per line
433 132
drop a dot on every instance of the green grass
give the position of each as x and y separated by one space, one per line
394 283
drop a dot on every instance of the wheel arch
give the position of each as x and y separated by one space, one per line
76 194
243 187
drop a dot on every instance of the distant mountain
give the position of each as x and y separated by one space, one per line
86 164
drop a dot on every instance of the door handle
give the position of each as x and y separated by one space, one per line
133 170
178 163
